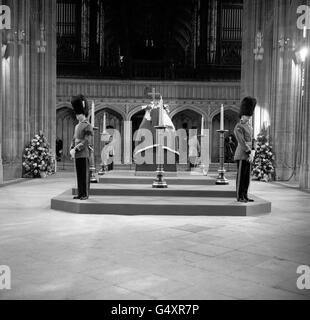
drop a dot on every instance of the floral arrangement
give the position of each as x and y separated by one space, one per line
37 159
263 165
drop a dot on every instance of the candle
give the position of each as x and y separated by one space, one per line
305 31
161 112
93 114
202 125
104 122
222 117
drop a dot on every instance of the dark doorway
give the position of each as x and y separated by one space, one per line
187 119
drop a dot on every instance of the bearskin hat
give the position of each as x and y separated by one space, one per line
80 105
247 107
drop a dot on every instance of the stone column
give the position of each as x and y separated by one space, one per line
210 128
10 70
274 80
304 175
248 34
127 142
1 166
281 120
1 108
50 73
28 82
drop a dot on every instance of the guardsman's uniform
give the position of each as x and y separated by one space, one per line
244 134
81 143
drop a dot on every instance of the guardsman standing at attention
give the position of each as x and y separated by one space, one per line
245 151
80 147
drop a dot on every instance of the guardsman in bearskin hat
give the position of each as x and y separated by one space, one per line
245 151
80 147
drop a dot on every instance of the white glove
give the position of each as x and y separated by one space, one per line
252 156
72 153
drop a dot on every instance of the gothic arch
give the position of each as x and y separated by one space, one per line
188 107
61 105
65 111
191 117
134 111
101 106
218 110
65 123
231 119
115 118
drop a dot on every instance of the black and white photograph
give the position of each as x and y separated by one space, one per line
154 150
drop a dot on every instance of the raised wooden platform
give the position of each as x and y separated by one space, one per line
147 191
117 195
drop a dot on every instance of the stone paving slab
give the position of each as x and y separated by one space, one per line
56 255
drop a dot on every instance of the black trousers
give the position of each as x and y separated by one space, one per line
243 178
83 177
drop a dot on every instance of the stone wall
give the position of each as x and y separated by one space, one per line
125 99
28 80
276 81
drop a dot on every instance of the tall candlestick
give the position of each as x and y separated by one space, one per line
202 125
160 181
92 167
93 114
222 117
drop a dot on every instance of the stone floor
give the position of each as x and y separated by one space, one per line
55 255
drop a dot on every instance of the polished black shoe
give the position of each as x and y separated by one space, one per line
77 198
249 200
83 198
243 200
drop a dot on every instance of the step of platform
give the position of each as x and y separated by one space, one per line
213 167
156 205
148 180
185 195
124 167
